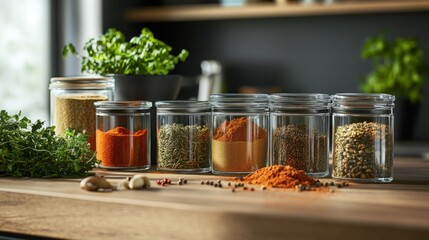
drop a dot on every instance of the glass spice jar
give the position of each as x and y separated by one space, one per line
72 103
123 134
183 136
363 137
239 132
300 125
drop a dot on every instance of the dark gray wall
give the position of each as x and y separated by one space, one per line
298 54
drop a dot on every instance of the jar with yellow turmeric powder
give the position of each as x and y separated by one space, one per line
239 132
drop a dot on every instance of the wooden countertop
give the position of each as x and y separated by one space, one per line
60 209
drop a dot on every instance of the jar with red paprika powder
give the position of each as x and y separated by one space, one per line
123 134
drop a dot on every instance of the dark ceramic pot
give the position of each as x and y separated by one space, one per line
147 88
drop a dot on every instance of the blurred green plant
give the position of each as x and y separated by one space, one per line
112 54
399 67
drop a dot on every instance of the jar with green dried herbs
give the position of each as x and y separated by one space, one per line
183 136
363 137
300 124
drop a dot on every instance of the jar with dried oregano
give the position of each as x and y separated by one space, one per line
183 136
363 137
300 126
240 132
72 102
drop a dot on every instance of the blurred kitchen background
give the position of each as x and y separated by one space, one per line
247 46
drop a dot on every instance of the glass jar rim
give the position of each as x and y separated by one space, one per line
239 98
118 105
363 97
300 97
82 82
183 106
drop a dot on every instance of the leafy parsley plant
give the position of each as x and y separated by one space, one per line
112 54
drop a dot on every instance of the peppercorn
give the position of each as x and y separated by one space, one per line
202 182
264 188
233 190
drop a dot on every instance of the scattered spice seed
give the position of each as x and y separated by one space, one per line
202 182
185 181
244 188
264 188
216 185
252 189
233 190
229 184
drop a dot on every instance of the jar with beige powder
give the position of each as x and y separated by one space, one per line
239 132
72 103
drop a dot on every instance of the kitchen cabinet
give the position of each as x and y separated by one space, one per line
264 10
59 208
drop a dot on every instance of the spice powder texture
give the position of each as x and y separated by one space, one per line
76 112
119 147
279 176
239 145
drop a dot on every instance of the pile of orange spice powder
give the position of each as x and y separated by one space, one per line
279 176
119 147
239 145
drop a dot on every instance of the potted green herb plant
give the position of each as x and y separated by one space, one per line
399 69
141 66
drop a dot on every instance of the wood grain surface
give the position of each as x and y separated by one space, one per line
60 209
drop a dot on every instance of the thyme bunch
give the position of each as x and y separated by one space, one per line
30 150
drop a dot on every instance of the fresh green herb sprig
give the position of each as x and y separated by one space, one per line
30 150
112 54
399 67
